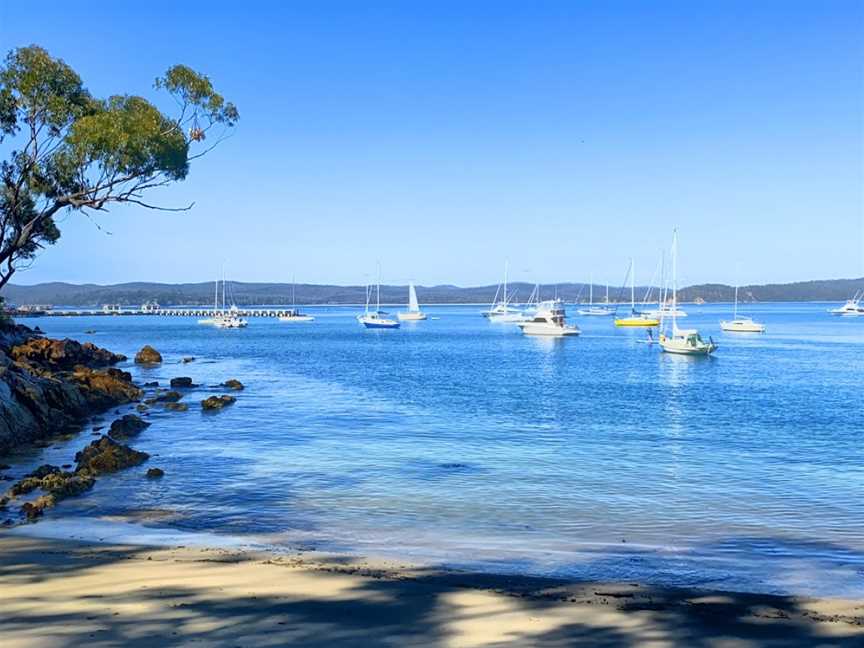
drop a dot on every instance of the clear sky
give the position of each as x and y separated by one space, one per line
445 137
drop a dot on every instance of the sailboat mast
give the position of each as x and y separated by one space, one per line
505 285
735 310
293 287
378 291
591 289
675 280
632 285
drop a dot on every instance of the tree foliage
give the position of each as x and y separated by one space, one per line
71 151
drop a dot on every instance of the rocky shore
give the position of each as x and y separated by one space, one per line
48 387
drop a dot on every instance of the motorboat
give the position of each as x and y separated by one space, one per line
550 319
852 307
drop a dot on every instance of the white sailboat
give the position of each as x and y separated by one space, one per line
682 341
550 319
502 311
229 318
212 320
376 319
593 310
741 324
293 314
413 314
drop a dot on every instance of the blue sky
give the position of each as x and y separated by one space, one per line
445 137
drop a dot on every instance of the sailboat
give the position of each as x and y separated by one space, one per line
682 341
413 314
594 310
229 318
293 314
741 324
502 311
636 318
212 320
376 319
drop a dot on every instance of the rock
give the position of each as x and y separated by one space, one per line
188 359
182 381
154 383
43 471
105 388
155 473
148 355
233 384
169 397
98 427
107 456
4 466
176 407
141 407
90 331
127 426
217 402
63 354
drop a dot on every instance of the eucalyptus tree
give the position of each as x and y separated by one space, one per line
65 150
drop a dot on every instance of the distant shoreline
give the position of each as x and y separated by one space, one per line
283 295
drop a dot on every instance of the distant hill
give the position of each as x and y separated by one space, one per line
93 295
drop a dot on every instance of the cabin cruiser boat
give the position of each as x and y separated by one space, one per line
852 307
549 319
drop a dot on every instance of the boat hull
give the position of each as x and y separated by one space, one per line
732 327
299 318
381 325
549 331
636 322
587 312
411 317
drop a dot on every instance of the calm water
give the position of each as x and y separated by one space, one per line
461 442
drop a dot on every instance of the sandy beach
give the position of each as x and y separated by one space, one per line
65 593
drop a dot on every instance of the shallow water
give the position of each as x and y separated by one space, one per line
462 442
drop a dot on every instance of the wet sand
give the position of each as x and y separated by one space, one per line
65 593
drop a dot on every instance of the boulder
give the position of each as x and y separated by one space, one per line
154 383
188 359
127 426
233 384
104 388
148 355
64 354
107 456
169 397
176 407
217 402
182 382
155 473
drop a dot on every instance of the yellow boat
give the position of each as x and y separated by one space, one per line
637 320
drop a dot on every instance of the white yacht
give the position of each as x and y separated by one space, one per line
741 324
549 319
413 314
852 307
501 310
682 341
665 310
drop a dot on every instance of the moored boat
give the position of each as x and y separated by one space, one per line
550 319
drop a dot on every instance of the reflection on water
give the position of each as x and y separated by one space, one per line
463 441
